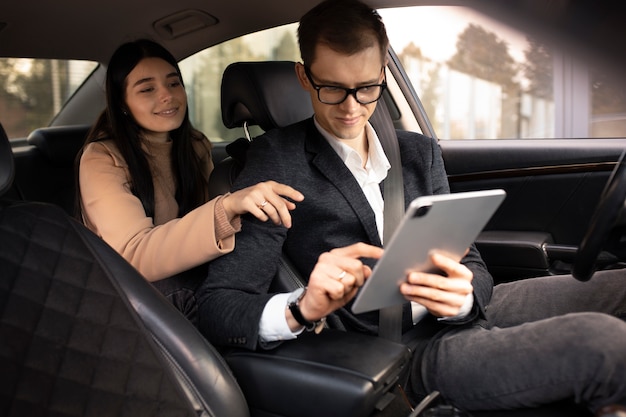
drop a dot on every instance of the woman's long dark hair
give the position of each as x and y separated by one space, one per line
116 124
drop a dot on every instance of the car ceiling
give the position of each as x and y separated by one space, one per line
91 30
79 29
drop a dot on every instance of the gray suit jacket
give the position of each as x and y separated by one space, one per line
334 213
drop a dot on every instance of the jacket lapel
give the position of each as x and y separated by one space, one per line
326 160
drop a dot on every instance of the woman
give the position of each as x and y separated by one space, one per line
143 176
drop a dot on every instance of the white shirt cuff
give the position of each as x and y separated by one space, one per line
273 324
418 311
466 308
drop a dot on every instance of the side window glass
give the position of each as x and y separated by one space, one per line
32 91
478 79
202 73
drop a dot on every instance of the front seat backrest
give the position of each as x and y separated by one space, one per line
82 333
265 94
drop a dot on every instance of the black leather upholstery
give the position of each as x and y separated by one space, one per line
331 374
59 144
82 333
45 169
7 169
266 94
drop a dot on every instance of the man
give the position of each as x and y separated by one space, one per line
477 350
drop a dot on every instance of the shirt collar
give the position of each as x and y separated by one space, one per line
377 162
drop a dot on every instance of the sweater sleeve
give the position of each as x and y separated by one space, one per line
115 214
224 228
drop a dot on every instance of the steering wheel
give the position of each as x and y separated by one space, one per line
603 220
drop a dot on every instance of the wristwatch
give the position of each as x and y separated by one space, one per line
293 303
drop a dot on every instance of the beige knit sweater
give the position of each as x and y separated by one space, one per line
159 247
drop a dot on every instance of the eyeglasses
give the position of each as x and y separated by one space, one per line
332 94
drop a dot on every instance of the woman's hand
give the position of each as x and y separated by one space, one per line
443 295
265 200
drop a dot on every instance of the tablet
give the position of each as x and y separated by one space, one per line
446 222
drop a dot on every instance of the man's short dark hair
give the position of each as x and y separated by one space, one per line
345 26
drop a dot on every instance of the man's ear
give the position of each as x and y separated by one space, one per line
302 78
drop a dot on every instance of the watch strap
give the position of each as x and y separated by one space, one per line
294 307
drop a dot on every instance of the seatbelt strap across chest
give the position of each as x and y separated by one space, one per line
390 318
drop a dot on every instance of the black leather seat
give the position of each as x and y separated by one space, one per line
265 94
82 333
50 153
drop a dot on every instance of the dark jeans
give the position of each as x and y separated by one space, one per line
180 290
544 340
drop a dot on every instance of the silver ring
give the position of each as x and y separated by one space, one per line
341 275
263 204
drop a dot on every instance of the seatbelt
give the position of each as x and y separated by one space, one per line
390 318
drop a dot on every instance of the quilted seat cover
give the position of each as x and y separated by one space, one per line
70 343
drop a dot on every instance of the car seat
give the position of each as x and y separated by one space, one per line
82 333
265 94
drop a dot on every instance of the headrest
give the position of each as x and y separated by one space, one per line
266 94
59 144
7 170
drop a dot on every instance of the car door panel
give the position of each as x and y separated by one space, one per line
553 187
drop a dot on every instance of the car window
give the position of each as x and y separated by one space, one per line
202 73
478 79
32 91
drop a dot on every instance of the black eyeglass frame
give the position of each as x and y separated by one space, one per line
348 91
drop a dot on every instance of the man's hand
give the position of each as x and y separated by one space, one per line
334 281
443 296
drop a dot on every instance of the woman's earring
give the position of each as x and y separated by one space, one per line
125 112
